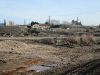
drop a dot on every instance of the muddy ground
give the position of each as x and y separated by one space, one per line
25 58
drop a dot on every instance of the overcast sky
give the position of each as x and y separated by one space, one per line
88 11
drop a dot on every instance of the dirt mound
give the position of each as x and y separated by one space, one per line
13 45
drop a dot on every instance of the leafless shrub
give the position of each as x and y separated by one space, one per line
87 39
80 40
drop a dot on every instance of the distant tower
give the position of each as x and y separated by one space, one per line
4 22
49 20
77 19
24 22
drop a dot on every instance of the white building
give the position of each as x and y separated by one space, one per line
9 23
41 26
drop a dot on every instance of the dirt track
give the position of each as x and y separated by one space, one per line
32 38
17 56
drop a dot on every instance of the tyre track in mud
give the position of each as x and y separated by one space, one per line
85 69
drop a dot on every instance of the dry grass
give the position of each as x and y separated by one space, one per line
87 39
78 40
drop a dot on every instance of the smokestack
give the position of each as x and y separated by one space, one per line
77 19
49 20
4 22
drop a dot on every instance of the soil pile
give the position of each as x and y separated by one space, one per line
13 45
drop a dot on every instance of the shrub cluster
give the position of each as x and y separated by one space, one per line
77 40
70 41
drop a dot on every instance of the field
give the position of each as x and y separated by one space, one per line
72 51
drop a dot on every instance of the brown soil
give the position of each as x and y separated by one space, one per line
16 56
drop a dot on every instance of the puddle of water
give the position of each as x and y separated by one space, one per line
38 68
52 65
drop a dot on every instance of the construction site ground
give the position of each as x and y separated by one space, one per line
26 57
